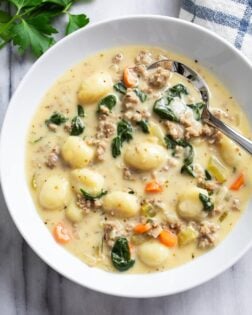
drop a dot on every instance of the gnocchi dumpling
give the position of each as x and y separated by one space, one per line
189 206
145 156
122 204
95 87
153 253
74 213
88 180
230 152
76 152
55 193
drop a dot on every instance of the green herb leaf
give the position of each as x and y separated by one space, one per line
197 109
162 109
144 126
207 202
124 133
120 255
20 4
61 3
77 126
4 17
108 101
31 26
120 87
80 111
75 22
27 36
141 95
88 196
56 119
42 23
177 90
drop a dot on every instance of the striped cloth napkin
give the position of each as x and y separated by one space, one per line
231 19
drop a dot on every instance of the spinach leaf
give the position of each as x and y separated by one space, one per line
124 130
124 133
189 154
108 101
208 176
197 109
141 95
80 111
170 142
207 202
161 106
87 196
163 110
56 119
77 126
187 169
144 126
183 143
116 146
177 90
120 255
120 87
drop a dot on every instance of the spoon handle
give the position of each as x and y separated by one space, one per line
230 132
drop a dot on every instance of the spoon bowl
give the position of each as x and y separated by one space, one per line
202 87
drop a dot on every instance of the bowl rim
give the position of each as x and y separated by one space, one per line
19 225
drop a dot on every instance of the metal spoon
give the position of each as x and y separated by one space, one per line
206 116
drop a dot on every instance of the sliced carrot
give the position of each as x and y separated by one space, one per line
153 187
142 228
129 78
61 233
168 238
238 183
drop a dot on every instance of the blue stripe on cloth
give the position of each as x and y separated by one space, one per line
250 29
210 15
244 26
242 1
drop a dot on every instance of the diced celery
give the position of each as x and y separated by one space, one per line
156 131
147 210
217 169
223 216
187 235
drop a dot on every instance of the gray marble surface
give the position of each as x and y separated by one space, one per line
28 286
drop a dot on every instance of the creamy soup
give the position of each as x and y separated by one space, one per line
122 170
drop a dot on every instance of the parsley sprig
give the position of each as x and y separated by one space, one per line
31 25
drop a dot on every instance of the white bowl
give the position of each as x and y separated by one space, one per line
232 68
